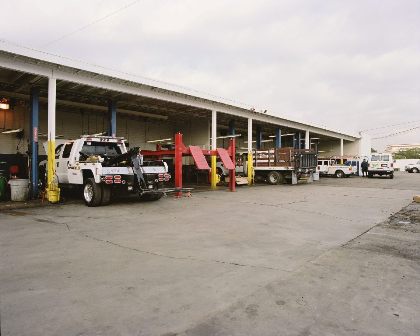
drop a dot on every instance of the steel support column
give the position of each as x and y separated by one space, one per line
53 192
213 178
250 171
278 138
112 116
342 150
307 140
259 137
34 119
232 127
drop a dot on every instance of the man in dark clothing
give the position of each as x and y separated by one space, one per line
137 164
364 166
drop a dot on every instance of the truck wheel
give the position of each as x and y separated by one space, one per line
106 194
339 174
391 176
92 193
415 170
370 175
273 177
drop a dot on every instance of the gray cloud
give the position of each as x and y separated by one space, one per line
346 65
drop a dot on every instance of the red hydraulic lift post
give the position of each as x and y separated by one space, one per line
232 172
178 163
198 155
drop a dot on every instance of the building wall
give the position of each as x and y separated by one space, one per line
359 148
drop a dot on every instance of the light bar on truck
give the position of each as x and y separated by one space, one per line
159 140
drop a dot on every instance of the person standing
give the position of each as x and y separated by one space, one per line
137 167
364 166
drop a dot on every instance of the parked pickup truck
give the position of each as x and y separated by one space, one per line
413 167
103 166
329 167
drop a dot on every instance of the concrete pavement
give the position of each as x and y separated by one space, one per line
270 260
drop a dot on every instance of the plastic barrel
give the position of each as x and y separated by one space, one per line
19 189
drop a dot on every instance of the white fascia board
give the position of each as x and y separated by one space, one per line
87 77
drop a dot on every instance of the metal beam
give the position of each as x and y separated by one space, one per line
213 147
34 119
307 140
53 191
112 118
278 138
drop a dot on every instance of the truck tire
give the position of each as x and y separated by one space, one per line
370 175
415 170
106 194
339 174
273 177
391 176
92 193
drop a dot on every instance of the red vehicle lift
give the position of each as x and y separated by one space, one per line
226 155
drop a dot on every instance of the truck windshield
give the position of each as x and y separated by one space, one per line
100 148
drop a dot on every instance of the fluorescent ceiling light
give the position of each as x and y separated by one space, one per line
97 134
315 138
268 140
228 136
273 136
43 135
159 140
17 130
252 141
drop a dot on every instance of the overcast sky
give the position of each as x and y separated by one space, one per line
345 65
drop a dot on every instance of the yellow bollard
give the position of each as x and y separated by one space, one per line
250 170
53 191
213 172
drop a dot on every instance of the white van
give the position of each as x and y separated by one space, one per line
381 164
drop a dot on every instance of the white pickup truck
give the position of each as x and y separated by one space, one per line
103 166
413 167
329 167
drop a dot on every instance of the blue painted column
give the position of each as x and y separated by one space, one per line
278 138
299 141
34 120
112 115
232 127
259 137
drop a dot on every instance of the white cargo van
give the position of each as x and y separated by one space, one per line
381 164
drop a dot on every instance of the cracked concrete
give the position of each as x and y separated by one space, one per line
271 260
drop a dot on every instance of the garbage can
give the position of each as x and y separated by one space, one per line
19 189
3 184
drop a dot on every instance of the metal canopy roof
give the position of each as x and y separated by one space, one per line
91 86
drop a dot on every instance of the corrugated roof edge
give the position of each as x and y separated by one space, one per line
79 65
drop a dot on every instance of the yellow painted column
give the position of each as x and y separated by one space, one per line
213 172
53 192
51 163
250 169
213 176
